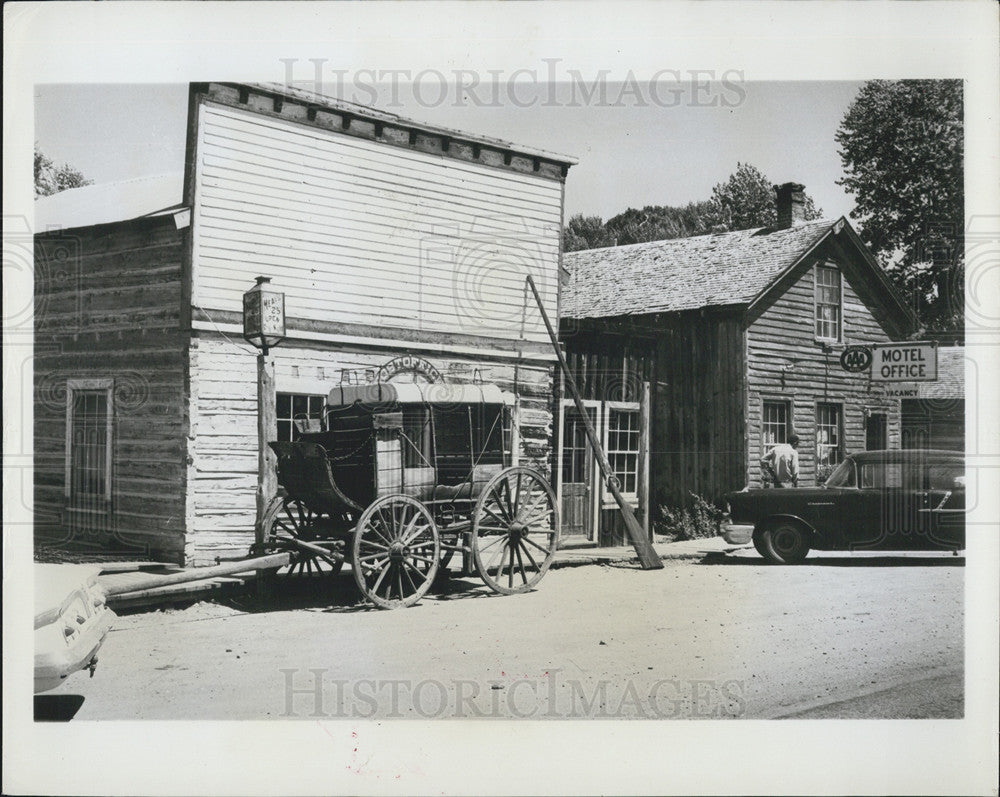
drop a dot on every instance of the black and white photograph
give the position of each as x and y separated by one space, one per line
411 398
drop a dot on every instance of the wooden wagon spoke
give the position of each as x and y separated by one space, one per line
493 542
398 534
527 553
532 542
516 504
503 522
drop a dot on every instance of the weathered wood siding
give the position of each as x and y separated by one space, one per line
107 303
786 362
698 431
360 232
223 408
608 366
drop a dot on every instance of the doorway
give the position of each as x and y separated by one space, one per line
876 432
577 474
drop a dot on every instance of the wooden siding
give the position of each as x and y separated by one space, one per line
698 430
107 305
786 362
357 231
223 410
607 366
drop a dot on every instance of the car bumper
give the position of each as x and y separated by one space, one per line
737 535
52 667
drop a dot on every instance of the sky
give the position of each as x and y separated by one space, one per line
642 152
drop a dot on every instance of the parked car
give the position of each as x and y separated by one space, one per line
71 622
875 500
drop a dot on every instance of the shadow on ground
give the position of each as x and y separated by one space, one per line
819 560
337 593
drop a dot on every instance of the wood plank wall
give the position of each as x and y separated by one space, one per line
783 337
698 431
223 465
107 303
358 231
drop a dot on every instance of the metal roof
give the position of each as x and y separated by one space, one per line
106 203
439 393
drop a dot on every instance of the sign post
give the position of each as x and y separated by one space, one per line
264 327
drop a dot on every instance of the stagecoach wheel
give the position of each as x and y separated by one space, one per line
286 517
515 530
396 551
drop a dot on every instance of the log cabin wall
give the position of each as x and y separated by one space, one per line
107 318
223 463
786 362
698 429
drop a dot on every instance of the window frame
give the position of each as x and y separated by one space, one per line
841 453
789 421
290 421
817 269
633 408
73 387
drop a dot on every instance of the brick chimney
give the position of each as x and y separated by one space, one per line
791 203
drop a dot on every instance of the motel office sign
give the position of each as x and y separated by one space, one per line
893 362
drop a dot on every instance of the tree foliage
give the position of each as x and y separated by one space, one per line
902 150
51 179
744 201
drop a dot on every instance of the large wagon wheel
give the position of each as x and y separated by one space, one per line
290 519
396 551
515 530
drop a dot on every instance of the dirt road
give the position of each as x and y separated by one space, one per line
728 637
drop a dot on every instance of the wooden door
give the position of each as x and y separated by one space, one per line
876 438
577 476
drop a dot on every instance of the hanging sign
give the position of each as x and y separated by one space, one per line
856 359
904 362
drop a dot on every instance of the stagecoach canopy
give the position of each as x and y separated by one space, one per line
415 393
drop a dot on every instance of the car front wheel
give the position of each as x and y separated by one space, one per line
783 543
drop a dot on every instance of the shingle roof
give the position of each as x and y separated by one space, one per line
109 202
682 273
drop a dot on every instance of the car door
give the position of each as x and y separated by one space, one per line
945 510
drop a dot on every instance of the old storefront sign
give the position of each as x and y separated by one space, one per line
904 362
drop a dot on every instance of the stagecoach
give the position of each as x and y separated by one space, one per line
403 477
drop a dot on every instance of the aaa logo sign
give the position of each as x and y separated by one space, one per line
856 359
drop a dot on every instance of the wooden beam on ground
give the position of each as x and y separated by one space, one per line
199 573
640 540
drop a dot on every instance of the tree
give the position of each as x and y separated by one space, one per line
51 179
901 146
746 201
585 232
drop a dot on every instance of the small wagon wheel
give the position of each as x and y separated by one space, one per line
289 519
396 551
515 530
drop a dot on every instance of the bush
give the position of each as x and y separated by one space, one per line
700 521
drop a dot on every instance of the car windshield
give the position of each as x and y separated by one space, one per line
842 476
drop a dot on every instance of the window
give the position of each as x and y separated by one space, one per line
828 303
829 451
89 462
89 444
292 407
623 447
774 428
417 441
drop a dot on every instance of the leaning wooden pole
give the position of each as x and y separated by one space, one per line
643 547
